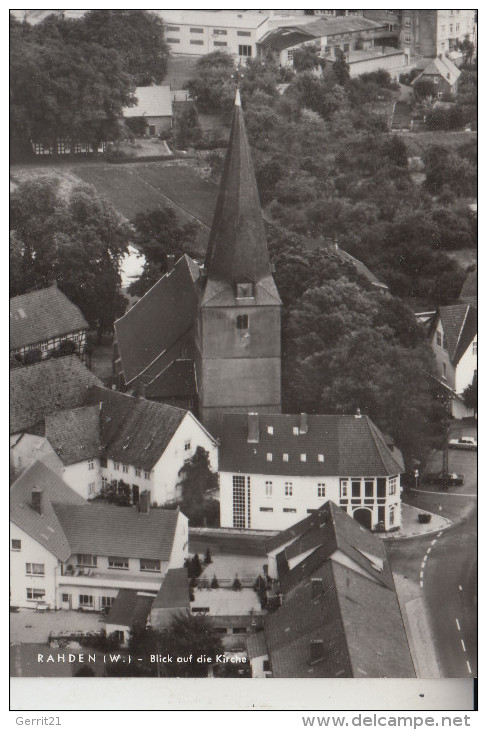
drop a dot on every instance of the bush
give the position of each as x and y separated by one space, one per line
424 518
214 583
237 585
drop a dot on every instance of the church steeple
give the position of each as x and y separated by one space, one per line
237 248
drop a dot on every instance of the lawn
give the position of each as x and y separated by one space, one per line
179 70
417 143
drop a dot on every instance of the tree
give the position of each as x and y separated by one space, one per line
158 234
67 347
208 558
196 480
63 90
307 58
237 584
192 635
341 68
214 582
424 88
212 86
467 48
188 130
116 493
76 239
470 396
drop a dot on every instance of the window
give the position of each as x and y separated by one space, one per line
242 322
196 43
439 339
288 489
444 370
266 665
407 22
369 488
120 563
104 482
135 494
103 462
125 468
173 27
290 55
302 457
391 515
146 474
270 430
346 47
268 489
243 33
288 509
34 568
407 39
269 456
267 509
16 544
321 457
200 609
344 487
35 594
91 487
153 566
107 601
91 465
65 598
219 32
187 445
86 560
321 490
221 630
172 40
137 472
295 430
436 79
239 501
285 457
355 488
381 487
44 346
85 600
116 465
451 28
245 51
474 348
245 290
196 30
239 630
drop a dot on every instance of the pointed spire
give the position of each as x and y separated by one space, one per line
237 247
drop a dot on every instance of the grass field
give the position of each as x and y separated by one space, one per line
417 143
179 70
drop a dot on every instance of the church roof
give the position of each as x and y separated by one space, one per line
237 246
159 319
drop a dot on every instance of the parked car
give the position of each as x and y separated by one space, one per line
445 479
466 442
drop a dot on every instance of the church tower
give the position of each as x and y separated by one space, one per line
238 360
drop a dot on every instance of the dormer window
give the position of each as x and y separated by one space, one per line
321 457
245 290
270 430
242 322
295 431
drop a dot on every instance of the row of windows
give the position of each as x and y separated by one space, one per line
302 457
284 509
125 468
216 31
35 569
90 561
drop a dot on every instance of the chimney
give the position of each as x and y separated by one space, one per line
303 423
317 650
358 414
37 500
144 502
170 262
253 428
316 587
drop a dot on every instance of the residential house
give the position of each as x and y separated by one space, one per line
430 33
212 335
115 436
198 32
233 614
153 108
443 74
130 610
67 553
339 613
276 469
42 320
453 337
44 388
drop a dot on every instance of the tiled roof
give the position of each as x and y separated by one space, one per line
101 529
237 246
45 527
134 431
441 67
130 608
160 318
174 592
351 447
41 315
48 386
469 293
460 327
256 645
75 434
152 101
178 380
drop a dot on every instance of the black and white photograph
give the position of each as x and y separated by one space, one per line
243 351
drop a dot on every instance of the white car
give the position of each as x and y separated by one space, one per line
466 442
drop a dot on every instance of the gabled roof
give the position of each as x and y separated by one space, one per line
152 101
75 434
130 608
351 446
256 645
134 431
41 315
459 323
174 591
159 319
44 388
441 67
177 380
45 528
237 246
103 529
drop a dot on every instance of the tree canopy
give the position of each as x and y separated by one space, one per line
75 239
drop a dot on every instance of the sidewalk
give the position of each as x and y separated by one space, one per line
412 528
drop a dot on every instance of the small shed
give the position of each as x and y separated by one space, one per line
154 108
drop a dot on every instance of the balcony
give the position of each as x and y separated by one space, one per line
95 578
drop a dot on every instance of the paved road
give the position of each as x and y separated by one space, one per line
442 568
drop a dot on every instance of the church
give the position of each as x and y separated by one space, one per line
209 338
